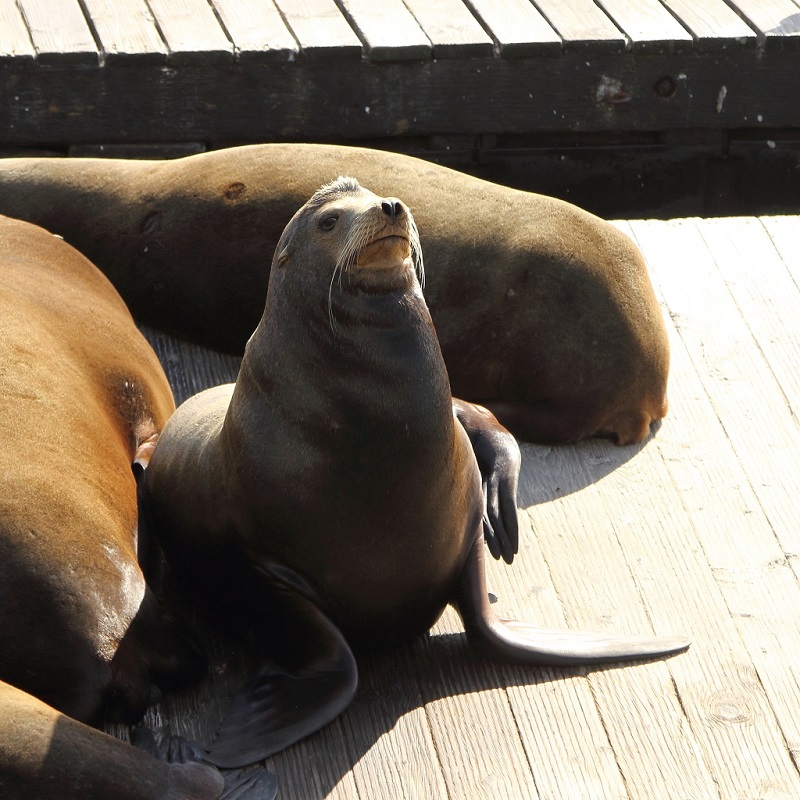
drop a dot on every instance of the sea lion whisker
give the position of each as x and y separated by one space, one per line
358 239
416 250
331 316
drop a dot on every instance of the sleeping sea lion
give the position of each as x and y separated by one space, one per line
331 496
544 312
82 637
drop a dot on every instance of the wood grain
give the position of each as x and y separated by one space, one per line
59 32
321 29
257 30
388 30
714 23
15 41
583 26
127 32
649 26
777 21
452 29
192 32
517 27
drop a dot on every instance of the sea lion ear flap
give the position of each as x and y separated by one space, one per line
285 247
282 255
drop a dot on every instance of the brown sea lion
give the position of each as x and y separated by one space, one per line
331 496
45 754
81 397
544 312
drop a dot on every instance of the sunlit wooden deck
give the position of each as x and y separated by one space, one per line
694 532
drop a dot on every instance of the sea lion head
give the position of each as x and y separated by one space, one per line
354 238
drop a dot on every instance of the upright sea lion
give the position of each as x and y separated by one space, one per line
544 312
331 496
81 397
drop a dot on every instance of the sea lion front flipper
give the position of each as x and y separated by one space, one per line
498 457
314 682
523 643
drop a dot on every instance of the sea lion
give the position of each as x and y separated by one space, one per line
45 754
544 312
82 638
331 496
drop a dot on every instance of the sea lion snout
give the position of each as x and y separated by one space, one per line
393 208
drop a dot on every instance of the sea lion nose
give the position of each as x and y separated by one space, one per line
393 208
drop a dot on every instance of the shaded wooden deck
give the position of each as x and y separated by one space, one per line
200 72
694 532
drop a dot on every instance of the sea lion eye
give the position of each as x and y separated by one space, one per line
328 222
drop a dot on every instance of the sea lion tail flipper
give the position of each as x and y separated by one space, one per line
498 457
523 643
314 682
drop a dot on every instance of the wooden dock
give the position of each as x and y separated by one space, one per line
105 72
693 532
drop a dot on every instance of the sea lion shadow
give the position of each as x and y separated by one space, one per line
549 472
393 684
409 680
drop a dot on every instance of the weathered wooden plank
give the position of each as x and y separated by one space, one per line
649 26
257 30
319 766
388 30
388 735
714 23
767 295
721 489
561 724
746 394
583 26
126 32
474 728
452 30
599 504
15 41
777 21
785 233
517 27
321 30
226 102
59 32
192 32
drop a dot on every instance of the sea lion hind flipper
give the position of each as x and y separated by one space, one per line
172 749
251 784
498 457
314 682
524 643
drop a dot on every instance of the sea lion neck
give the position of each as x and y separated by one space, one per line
388 362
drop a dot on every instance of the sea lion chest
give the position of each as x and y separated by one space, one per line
371 489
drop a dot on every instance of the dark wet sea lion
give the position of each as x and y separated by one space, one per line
331 496
544 312
82 638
